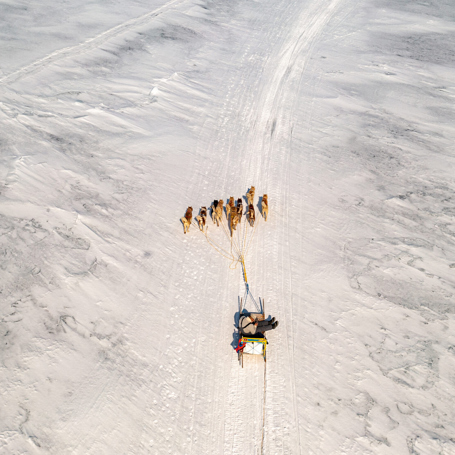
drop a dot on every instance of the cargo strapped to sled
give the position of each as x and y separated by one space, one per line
254 346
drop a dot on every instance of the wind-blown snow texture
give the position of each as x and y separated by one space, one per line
117 330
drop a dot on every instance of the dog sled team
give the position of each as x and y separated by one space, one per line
233 210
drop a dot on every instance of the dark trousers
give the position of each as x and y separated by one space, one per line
263 326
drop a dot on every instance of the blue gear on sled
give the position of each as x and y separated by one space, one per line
251 344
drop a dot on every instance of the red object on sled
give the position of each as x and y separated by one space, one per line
240 346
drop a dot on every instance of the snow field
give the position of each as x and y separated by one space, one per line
119 330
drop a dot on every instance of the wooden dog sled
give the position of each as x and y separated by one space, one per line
251 344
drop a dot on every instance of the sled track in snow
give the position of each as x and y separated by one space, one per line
263 408
259 106
272 135
87 45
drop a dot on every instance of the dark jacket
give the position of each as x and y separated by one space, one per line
247 325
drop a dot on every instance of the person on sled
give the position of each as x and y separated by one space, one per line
250 326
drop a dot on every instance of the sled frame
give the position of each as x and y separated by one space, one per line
251 339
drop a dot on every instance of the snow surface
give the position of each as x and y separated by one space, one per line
118 330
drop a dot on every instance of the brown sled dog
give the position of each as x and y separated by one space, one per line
240 209
186 220
251 215
202 218
229 206
265 207
250 195
217 212
234 219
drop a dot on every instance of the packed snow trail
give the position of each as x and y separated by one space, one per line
263 123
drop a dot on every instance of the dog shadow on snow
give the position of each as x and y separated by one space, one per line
258 205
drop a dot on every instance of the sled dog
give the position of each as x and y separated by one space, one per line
202 218
213 207
250 195
240 209
217 212
251 215
186 220
265 207
229 206
234 219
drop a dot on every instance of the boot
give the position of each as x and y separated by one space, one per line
275 325
272 320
